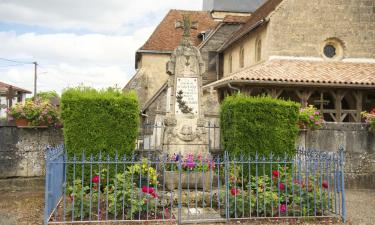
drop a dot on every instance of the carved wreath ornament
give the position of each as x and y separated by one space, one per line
182 104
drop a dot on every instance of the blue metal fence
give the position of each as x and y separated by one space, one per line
193 188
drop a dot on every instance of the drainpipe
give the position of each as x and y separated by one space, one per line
234 88
144 115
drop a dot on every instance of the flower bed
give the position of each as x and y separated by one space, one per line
34 113
196 172
370 119
308 185
310 118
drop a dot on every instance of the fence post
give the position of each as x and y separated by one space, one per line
46 192
226 177
343 207
179 189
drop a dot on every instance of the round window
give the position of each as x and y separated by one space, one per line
329 51
332 49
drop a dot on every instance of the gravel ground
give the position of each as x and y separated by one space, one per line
22 204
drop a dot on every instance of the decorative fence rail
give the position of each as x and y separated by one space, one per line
193 188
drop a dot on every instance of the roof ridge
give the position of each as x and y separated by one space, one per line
166 37
187 10
256 19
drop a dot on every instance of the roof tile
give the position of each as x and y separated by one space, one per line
167 38
307 72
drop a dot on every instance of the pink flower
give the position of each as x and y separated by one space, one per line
311 117
317 113
275 174
234 191
211 164
281 186
296 181
325 184
96 179
282 208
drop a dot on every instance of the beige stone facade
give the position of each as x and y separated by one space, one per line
248 44
150 76
299 27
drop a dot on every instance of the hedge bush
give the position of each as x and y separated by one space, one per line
263 124
94 121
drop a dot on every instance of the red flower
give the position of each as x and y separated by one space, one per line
281 186
325 184
148 190
154 195
234 191
275 174
96 179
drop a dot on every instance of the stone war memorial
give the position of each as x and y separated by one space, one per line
185 130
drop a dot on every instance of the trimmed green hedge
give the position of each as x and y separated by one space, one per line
263 124
96 121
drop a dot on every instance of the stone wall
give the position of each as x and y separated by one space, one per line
299 27
248 43
359 149
151 76
22 150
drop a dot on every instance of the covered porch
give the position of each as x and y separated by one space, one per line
340 90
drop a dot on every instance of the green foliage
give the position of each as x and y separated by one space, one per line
145 171
94 121
47 95
310 117
263 124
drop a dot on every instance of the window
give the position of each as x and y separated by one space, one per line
242 57
329 51
230 64
258 50
332 49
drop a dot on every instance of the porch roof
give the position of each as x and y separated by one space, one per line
304 73
4 88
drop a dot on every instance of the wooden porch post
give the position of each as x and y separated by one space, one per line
338 95
359 105
274 92
304 97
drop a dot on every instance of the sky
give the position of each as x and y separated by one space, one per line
85 42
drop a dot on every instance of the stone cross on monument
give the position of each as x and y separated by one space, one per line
184 122
187 25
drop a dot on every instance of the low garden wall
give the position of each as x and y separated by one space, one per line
22 150
359 146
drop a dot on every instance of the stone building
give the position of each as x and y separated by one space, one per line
319 52
10 95
323 55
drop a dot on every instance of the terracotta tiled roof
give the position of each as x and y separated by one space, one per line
304 72
261 13
4 87
167 38
235 19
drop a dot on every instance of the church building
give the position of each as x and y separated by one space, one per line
319 53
